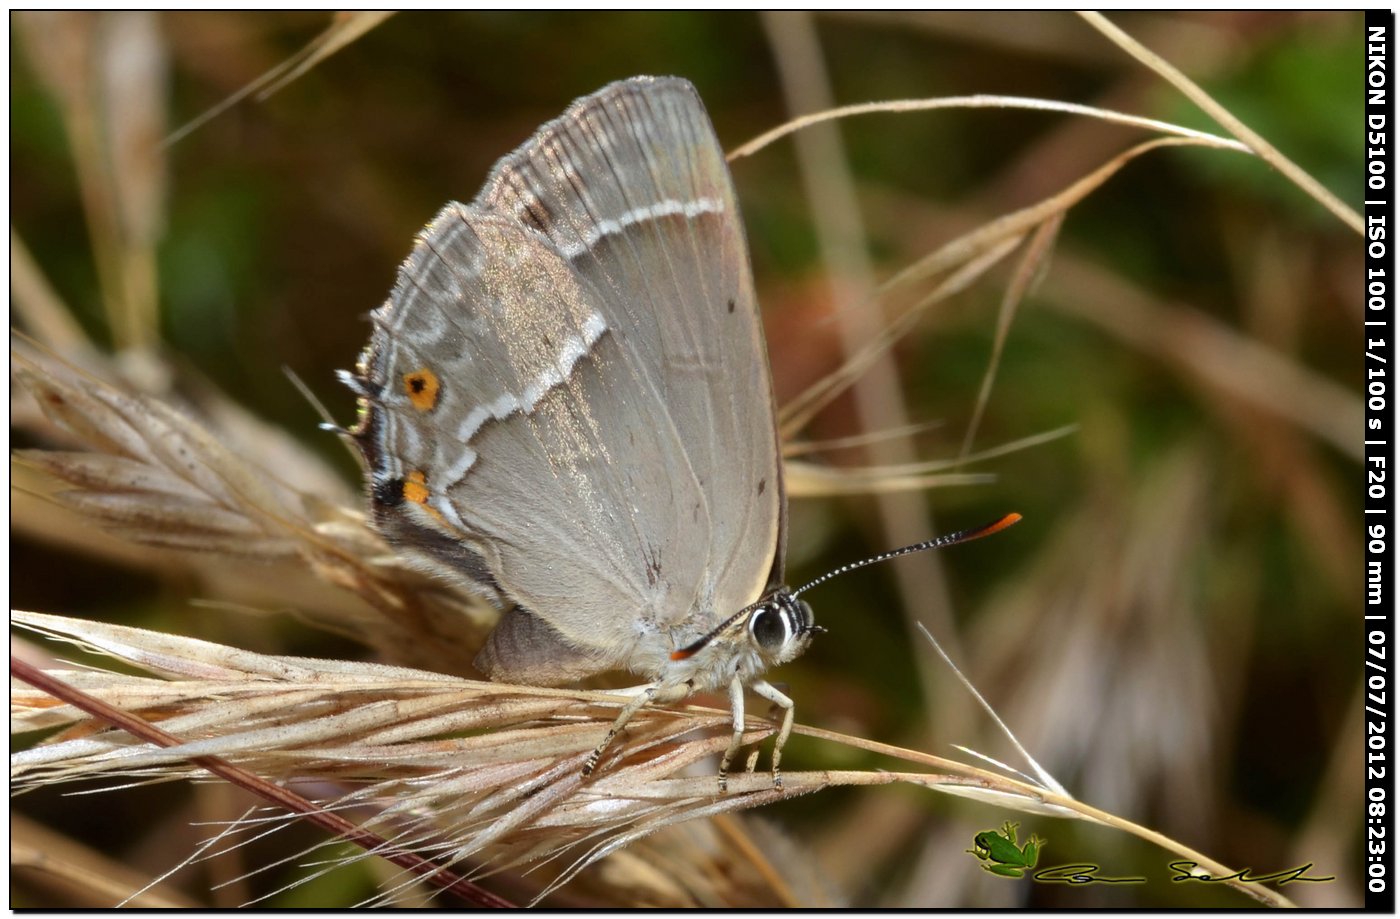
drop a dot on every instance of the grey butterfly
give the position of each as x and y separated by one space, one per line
566 405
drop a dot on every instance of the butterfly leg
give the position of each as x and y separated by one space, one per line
736 709
656 692
769 692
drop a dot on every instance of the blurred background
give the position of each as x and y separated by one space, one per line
1173 631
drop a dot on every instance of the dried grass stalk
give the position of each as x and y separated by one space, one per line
152 475
480 777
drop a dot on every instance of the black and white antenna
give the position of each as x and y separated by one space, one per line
952 539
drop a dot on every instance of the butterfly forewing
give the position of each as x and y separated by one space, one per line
632 186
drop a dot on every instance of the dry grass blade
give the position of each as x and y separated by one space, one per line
978 101
795 414
1256 143
345 28
808 447
134 80
143 730
964 259
151 475
514 792
39 306
807 480
1015 225
481 777
157 478
92 879
107 72
1032 264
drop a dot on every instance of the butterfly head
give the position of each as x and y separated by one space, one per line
780 627
772 631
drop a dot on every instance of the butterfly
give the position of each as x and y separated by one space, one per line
566 405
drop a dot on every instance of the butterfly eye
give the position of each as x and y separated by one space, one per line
805 618
769 628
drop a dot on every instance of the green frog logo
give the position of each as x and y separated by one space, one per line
1001 855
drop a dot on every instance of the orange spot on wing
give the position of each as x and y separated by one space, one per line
415 489
421 387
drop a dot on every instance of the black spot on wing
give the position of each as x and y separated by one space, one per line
389 493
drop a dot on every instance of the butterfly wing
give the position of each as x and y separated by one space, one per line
632 186
568 394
